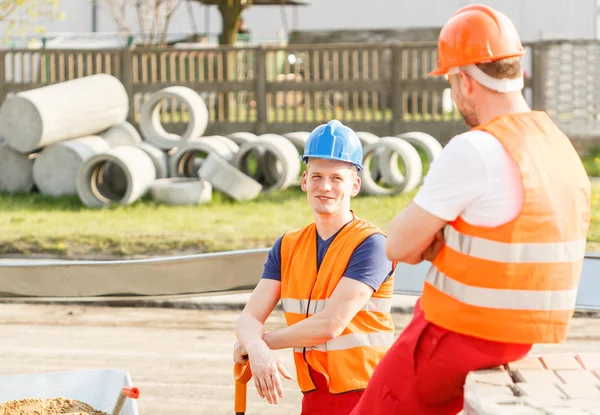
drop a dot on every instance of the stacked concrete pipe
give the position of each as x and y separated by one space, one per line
388 159
409 156
152 128
280 162
96 190
33 119
186 160
16 170
56 166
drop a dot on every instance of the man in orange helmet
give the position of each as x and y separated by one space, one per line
503 214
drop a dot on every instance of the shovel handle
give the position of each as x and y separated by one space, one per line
126 392
241 375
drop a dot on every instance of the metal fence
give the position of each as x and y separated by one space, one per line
381 88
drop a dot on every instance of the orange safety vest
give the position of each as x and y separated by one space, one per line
347 361
517 282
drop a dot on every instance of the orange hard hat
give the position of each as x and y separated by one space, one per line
476 34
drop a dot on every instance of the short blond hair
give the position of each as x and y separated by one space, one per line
508 68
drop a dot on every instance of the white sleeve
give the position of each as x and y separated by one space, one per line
454 180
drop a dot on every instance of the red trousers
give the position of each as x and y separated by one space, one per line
424 371
322 402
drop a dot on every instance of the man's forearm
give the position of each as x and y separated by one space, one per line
249 331
313 331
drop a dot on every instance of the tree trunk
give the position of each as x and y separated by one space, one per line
231 11
230 17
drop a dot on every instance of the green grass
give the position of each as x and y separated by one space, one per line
591 161
37 224
33 223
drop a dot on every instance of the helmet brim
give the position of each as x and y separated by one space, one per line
359 166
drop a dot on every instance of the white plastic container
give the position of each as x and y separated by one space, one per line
97 388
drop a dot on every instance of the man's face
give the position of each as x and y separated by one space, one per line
463 102
329 185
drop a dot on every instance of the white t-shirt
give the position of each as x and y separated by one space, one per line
474 178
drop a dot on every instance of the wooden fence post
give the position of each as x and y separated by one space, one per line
127 80
261 90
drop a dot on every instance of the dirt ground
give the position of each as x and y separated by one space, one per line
180 359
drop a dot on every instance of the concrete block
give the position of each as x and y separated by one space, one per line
560 361
528 362
578 376
537 376
590 361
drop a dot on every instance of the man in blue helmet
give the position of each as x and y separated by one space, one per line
335 284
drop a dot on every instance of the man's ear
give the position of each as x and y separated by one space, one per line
303 182
355 186
467 83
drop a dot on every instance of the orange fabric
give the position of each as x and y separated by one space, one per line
476 34
349 369
556 211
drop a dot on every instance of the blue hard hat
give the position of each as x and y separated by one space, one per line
334 141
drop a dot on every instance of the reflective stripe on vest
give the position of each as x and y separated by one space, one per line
352 340
291 305
502 299
514 252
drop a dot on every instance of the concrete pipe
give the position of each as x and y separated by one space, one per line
227 179
95 190
272 163
421 141
409 156
281 161
151 126
233 147
298 139
117 178
181 191
16 170
122 133
186 160
85 106
367 138
253 163
425 142
159 158
241 137
55 168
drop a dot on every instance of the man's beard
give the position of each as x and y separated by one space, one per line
469 118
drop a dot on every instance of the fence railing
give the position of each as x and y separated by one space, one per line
381 88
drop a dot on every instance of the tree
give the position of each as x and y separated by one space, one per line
153 17
231 11
20 15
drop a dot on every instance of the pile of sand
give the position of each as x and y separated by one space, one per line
53 406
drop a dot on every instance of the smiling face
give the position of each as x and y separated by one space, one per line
329 185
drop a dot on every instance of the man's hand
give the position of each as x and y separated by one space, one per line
240 355
266 368
435 247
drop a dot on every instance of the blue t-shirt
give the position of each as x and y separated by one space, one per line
368 262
